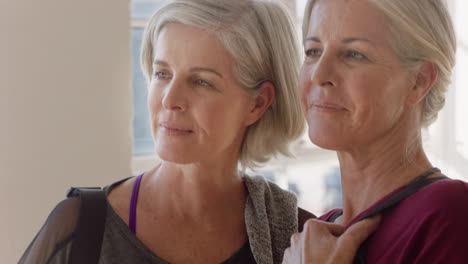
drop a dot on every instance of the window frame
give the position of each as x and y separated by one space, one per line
445 132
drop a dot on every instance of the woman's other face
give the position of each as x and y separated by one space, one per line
352 84
198 110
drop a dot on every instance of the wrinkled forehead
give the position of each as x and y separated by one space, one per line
183 46
337 19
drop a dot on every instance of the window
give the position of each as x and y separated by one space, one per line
142 138
460 82
448 138
314 173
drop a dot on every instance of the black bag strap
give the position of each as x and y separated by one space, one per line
302 217
86 247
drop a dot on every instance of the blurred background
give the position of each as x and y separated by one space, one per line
73 111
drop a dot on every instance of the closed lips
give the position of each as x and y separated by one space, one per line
175 127
327 106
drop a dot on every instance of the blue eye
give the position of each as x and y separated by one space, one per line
356 55
313 53
202 83
161 75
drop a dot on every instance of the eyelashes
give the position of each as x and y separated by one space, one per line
201 82
355 55
316 53
313 53
195 81
160 75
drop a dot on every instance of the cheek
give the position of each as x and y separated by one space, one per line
376 103
210 116
222 118
362 94
368 88
304 85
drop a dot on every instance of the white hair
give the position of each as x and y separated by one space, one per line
261 40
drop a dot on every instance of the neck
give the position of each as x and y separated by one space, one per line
196 191
373 171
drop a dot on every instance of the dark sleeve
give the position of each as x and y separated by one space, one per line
444 236
302 217
326 217
53 242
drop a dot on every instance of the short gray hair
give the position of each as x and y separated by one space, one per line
422 30
260 38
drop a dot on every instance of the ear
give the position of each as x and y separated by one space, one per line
425 79
261 102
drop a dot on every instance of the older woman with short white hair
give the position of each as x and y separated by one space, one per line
375 74
222 84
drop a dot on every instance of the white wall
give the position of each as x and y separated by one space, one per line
65 107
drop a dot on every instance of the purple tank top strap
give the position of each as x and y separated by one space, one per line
133 204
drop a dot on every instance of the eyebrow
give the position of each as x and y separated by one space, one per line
314 39
345 41
160 62
349 40
194 69
201 69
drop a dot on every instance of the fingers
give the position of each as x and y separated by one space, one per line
319 240
314 226
361 230
323 242
351 240
315 237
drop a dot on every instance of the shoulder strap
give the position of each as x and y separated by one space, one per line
413 187
86 247
302 217
401 195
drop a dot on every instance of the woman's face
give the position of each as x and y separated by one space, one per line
198 110
353 87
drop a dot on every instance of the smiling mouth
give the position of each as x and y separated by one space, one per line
322 107
175 130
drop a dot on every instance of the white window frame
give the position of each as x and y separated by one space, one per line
443 134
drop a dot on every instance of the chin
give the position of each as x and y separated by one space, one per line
174 155
326 140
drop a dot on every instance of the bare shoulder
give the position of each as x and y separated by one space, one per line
119 198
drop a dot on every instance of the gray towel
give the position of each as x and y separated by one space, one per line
271 219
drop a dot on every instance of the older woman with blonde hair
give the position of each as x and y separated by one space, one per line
375 74
222 84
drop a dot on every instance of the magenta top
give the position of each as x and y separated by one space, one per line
430 226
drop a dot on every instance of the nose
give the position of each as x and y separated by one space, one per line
323 72
175 97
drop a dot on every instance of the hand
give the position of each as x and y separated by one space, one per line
327 243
